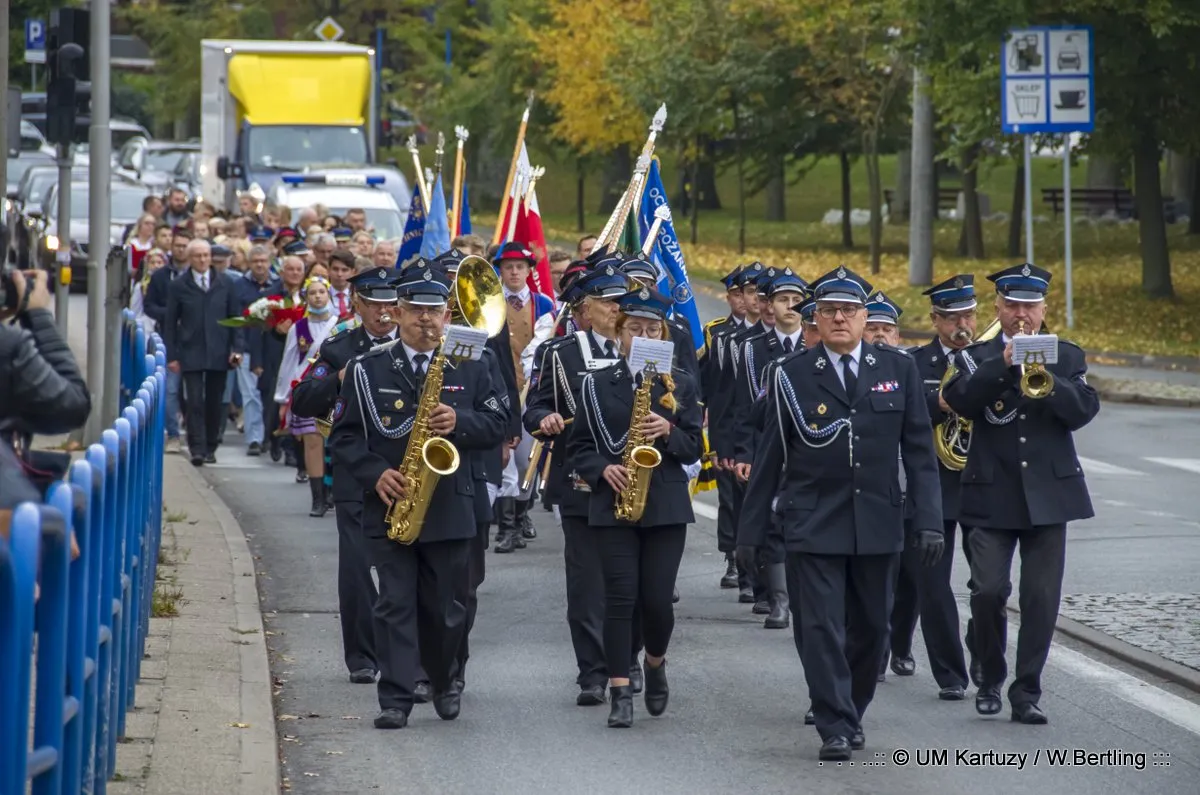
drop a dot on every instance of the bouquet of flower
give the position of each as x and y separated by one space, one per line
266 313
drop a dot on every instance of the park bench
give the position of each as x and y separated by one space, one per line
947 198
1098 201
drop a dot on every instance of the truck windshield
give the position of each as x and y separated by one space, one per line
294 147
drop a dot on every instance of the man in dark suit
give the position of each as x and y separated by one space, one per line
553 402
156 309
374 301
418 620
201 349
1021 485
827 463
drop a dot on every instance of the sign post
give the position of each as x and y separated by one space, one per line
1047 85
35 41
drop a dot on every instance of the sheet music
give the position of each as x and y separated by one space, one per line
644 350
464 342
1035 349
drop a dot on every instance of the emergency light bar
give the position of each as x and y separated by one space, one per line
345 180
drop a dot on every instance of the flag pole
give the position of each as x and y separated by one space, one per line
656 125
455 209
521 175
661 216
633 193
512 170
420 175
438 154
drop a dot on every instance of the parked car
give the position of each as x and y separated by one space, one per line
152 162
125 199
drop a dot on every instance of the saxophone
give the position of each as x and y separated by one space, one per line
426 459
639 458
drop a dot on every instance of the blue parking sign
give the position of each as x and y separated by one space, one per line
35 41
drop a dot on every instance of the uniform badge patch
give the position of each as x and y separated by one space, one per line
999 405
452 388
870 359
886 386
385 421
492 404
822 408
821 363
320 371
339 408
399 404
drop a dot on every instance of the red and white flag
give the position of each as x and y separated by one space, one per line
527 228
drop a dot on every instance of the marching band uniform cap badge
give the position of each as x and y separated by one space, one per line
881 309
842 285
956 294
1024 282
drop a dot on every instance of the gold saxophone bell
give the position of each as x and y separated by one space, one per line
952 436
1036 381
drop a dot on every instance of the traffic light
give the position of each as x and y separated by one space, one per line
68 68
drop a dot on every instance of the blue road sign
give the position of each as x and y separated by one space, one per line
1047 80
35 41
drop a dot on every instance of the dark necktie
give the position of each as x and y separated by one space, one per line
419 368
515 302
787 345
609 352
381 340
848 375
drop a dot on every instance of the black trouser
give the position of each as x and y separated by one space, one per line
640 565
726 511
469 592
844 605
203 390
356 591
969 638
585 599
1043 556
418 621
906 604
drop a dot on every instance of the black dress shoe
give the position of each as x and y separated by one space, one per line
858 740
762 608
621 714
275 449
976 671
809 718
746 596
835 749
987 701
636 682
656 688
254 450
590 696
1029 714
952 693
422 693
197 460
448 704
391 719
903 666
362 676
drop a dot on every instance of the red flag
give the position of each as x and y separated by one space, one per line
529 232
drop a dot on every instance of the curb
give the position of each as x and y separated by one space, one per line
1145 661
1107 390
259 765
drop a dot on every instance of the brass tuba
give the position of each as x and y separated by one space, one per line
639 458
1036 381
477 299
952 436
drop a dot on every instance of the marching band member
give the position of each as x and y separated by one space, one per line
640 560
643 272
808 319
838 414
553 401
374 302
1022 484
883 318
418 620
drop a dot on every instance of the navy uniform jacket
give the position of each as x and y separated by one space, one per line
931 363
1021 470
724 439
605 411
372 421
716 390
561 370
832 460
680 330
758 355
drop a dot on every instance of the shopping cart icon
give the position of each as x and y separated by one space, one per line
1028 105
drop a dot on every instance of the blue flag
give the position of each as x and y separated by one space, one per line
414 230
668 256
437 225
464 226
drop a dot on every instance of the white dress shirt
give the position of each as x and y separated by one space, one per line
523 295
345 296
601 340
794 337
413 353
836 359
202 279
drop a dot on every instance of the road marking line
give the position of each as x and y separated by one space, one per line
705 510
1129 688
1186 464
1093 467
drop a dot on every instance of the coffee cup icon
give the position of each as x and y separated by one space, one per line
1072 99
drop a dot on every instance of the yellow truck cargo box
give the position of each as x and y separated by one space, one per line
301 89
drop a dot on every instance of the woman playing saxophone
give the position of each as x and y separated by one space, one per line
623 414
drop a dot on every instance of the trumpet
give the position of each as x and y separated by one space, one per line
535 455
1036 381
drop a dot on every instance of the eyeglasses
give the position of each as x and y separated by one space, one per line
830 312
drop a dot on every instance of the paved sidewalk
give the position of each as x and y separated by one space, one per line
203 720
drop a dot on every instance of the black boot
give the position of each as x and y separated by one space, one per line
506 516
780 617
656 688
525 521
317 486
621 714
730 580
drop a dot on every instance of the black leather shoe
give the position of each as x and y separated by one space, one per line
508 542
447 705
254 450
746 596
275 449
1029 714
858 740
391 719
904 666
211 458
762 608
363 676
976 671
518 540
592 696
621 714
952 693
730 579
656 688
987 701
422 693
636 682
780 616
835 749
197 460
809 718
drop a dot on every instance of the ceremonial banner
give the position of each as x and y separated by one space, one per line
464 223
668 256
437 226
528 229
414 230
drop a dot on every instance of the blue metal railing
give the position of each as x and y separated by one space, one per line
92 614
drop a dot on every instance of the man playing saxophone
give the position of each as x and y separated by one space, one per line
382 410
1021 484
621 411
